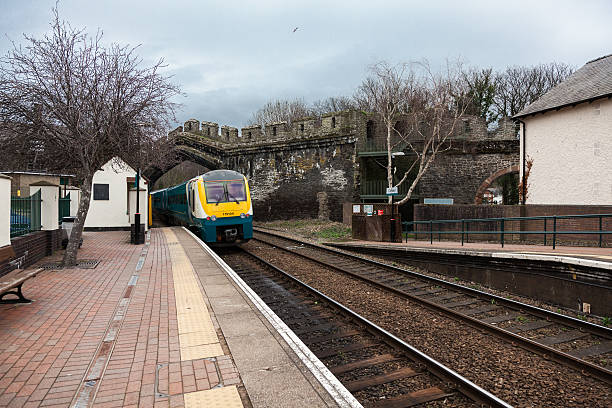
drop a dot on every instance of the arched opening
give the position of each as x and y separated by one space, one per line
503 183
370 128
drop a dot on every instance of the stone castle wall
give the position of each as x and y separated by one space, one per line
308 168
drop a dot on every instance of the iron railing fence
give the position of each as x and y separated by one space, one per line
25 214
509 226
379 187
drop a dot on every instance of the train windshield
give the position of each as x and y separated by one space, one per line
225 191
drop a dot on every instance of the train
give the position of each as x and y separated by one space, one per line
216 205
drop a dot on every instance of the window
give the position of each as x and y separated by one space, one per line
302 128
273 130
225 191
249 135
333 122
100 191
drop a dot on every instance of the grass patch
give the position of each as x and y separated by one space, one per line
311 228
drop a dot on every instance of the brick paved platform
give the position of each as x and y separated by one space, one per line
153 325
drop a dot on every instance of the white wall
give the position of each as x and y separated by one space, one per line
75 198
5 210
49 206
572 155
113 213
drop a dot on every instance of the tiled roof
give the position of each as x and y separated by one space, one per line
591 81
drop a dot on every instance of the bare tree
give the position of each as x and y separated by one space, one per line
425 101
434 115
517 86
333 104
281 110
387 92
77 104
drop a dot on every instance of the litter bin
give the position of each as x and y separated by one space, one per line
67 224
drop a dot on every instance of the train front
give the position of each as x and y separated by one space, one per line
226 201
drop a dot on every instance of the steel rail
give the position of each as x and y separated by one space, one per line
464 385
528 344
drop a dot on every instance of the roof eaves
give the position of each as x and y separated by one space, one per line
522 115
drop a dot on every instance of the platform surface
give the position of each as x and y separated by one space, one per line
590 256
155 325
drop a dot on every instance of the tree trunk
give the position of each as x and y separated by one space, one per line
77 229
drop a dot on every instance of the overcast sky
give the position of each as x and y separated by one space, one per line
231 57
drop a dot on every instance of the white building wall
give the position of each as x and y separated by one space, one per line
5 210
572 155
114 212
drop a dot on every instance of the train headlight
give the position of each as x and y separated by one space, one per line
213 217
242 215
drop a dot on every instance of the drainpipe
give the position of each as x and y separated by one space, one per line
524 159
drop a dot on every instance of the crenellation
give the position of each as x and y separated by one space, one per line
192 125
277 131
252 134
229 134
210 129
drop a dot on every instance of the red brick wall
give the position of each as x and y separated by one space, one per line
37 244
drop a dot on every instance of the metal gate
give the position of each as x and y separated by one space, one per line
64 207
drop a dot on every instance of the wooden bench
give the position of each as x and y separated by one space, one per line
10 284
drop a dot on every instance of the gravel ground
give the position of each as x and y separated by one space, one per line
513 374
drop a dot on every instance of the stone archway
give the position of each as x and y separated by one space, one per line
487 183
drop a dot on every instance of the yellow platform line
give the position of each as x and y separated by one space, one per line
226 397
197 335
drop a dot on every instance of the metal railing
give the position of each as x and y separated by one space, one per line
465 231
379 187
25 214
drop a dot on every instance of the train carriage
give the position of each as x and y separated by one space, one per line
217 204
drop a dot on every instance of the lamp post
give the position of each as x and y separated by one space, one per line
137 238
392 230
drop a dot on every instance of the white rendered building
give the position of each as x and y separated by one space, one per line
113 197
566 135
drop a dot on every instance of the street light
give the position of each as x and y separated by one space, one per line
392 230
137 238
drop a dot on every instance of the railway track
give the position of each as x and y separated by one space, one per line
378 368
582 345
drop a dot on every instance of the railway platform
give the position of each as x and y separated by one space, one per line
572 255
164 324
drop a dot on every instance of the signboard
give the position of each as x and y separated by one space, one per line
356 208
368 209
391 191
442 201
380 212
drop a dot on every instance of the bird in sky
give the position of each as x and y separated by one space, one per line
295 29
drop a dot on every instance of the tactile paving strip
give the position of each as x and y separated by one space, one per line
226 397
197 335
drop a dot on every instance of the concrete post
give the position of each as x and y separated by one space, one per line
5 210
49 207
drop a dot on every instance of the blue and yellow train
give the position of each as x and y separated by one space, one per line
216 204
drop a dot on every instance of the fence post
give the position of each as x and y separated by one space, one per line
545 231
462 230
600 229
431 232
502 232
554 231
5 210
